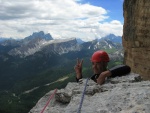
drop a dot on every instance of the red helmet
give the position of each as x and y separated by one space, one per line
100 56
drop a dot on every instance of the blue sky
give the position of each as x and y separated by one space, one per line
85 19
114 8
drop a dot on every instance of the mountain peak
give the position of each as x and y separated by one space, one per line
113 38
79 40
39 35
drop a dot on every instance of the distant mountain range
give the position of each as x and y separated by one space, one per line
39 52
39 41
39 59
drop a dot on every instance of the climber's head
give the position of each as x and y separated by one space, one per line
99 61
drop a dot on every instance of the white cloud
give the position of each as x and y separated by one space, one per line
60 18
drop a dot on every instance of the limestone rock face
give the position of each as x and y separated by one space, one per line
136 36
126 94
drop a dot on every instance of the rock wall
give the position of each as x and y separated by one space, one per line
136 36
126 94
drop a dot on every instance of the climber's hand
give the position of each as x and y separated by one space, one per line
102 77
78 68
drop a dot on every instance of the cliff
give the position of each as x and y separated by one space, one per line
136 36
126 94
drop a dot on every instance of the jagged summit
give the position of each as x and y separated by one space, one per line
113 38
39 35
126 94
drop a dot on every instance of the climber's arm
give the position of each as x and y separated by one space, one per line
119 70
113 72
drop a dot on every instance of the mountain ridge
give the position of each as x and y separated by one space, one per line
38 41
54 60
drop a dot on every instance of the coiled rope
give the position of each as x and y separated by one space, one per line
52 95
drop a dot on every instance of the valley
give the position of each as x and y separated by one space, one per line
27 73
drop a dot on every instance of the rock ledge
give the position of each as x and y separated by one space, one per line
126 94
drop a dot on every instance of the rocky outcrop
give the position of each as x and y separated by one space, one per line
126 94
136 36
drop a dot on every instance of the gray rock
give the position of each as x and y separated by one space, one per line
125 94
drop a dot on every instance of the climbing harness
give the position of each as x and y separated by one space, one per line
83 93
52 95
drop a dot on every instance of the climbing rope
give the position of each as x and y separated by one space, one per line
83 93
52 95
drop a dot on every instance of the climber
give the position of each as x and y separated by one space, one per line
99 61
